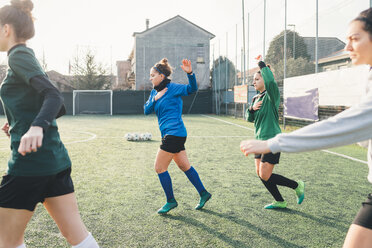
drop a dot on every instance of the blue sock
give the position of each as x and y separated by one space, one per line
194 178
166 183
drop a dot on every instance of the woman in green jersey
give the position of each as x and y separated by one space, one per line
264 113
39 166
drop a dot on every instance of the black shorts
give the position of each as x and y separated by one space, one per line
364 216
24 192
173 144
268 157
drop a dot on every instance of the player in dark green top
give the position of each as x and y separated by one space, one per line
264 113
39 166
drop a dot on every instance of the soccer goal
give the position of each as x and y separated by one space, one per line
92 102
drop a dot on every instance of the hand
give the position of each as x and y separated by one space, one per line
31 140
254 146
5 128
160 93
257 105
186 66
258 58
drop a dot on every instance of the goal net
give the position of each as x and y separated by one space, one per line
92 102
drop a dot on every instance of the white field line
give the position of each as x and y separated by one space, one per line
220 136
228 122
92 137
334 153
345 156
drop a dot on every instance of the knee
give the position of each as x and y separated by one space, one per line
264 176
159 169
184 168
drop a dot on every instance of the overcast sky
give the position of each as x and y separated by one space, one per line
64 27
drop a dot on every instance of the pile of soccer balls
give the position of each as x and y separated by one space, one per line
138 136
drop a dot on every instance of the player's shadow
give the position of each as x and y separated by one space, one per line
224 237
278 240
193 222
321 221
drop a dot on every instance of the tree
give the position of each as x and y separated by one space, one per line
89 75
295 67
300 65
276 48
218 73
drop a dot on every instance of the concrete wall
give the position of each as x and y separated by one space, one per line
336 88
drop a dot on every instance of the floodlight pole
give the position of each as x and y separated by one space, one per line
285 53
264 32
285 40
243 43
248 48
316 39
236 60
226 78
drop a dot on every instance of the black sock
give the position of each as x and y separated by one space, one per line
273 189
283 181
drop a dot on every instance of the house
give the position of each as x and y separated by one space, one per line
60 81
174 39
335 61
124 72
326 46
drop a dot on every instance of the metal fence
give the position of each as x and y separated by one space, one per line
294 37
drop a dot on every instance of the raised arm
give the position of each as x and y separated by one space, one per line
184 90
270 84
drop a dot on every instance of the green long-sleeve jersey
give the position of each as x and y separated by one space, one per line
266 119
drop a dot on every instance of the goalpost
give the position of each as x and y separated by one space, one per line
92 102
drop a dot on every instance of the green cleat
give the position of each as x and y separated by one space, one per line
300 191
168 206
204 197
276 204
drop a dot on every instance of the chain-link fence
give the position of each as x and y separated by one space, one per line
294 37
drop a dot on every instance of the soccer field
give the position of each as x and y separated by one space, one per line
119 192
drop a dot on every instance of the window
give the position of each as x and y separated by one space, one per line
200 54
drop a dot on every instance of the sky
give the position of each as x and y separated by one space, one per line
65 28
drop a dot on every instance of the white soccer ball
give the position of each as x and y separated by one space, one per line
129 136
135 136
148 136
142 136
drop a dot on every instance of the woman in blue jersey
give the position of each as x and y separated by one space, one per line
39 166
165 100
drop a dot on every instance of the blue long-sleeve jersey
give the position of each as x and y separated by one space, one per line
168 108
